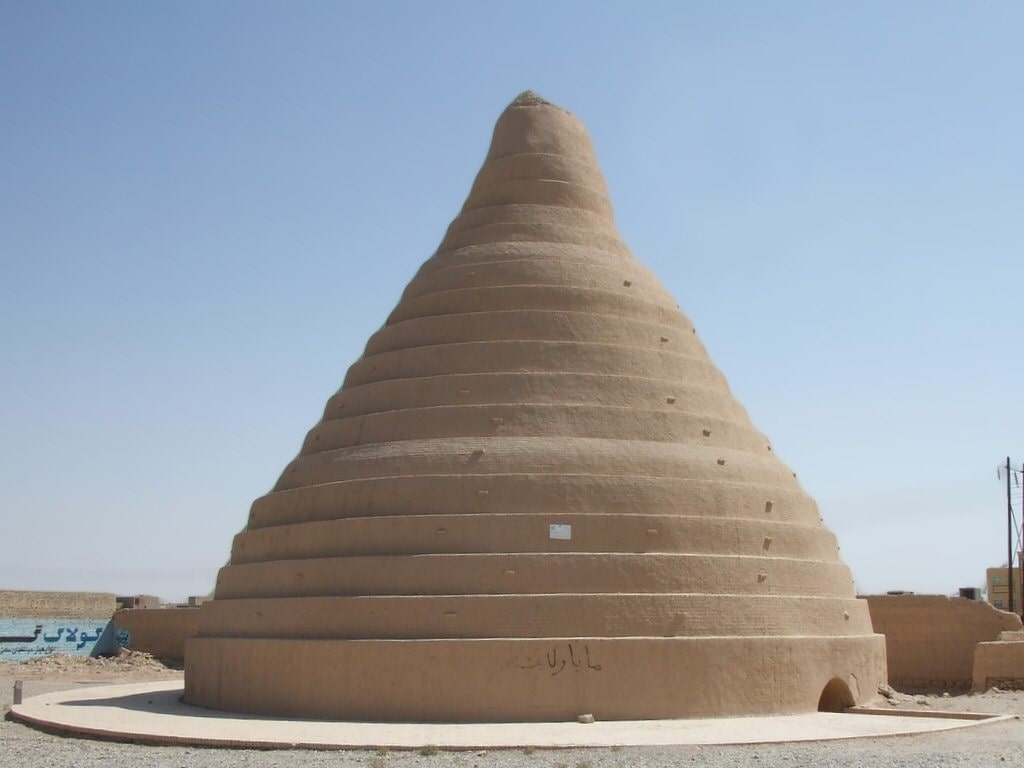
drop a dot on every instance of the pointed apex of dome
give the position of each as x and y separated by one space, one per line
540 156
530 99
533 125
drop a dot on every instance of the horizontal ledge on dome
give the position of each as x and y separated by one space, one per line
443 600
505 249
498 404
542 277
616 295
546 193
599 480
362 432
836 591
574 183
534 573
593 256
482 457
529 449
560 217
270 522
580 434
542 324
507 411
860 634
534 477
566 555
445 494
443 630
572 158
516 232
528 208
499 356
293 557
538 637
470 300
571 272
489 186
507 233
575 518
535 371
477 343
645 606
498 534
503 374
542 405
540 311
460 382
578 639
614 290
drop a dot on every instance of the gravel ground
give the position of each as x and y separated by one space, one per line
1000 744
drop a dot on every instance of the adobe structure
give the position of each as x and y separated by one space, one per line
534 497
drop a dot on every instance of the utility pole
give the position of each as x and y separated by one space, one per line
1009 534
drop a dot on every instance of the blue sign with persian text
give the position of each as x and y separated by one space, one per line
22 639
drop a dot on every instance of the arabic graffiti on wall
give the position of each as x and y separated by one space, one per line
562 657
22 639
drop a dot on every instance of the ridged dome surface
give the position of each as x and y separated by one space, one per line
533 497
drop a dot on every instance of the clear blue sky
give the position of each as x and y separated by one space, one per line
207 208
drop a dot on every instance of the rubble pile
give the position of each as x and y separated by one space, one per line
125 661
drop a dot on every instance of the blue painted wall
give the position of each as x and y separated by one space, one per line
22 639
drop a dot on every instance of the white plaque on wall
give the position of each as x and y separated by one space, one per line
560 531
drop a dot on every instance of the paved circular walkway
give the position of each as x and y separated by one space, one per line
153 713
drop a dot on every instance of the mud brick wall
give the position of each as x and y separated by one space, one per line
161 631
999 665
17 604
930 639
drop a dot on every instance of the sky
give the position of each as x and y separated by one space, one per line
207 208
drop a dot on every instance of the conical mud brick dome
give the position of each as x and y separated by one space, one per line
534 497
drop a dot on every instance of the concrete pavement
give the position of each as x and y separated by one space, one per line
153 713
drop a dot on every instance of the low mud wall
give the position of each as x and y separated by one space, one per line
930 639
158 631
34 623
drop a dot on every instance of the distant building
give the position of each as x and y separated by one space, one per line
138 601
997 580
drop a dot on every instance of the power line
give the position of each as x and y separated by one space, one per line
1013 531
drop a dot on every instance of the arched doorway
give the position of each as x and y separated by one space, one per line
835 697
